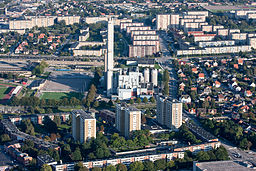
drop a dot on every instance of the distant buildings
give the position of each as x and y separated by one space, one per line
128 119
41 21
83 125
193 23
169 112
145 42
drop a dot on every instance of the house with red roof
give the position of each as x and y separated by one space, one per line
201 76
247 93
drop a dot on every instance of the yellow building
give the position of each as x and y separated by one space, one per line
83 125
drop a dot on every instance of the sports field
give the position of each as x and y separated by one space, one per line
3 91
60 95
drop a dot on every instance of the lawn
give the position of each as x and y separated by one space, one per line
60 95
69 109
4 91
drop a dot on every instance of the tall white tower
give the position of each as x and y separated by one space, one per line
109 58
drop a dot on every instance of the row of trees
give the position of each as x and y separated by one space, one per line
139 139
232 132
36 101
166 79
138 100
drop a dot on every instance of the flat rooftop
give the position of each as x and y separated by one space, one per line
222 166
84 114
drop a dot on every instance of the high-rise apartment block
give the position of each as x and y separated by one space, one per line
109 58
83 125
169 112
128 119
163 21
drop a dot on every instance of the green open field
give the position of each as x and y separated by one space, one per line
3 91
60 95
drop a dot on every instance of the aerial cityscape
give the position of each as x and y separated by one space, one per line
127 85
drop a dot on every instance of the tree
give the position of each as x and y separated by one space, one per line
131 101
221 153
143 119
202 156
110 103
136 166
152 99
80 167
15 101
76 155
145 100
160 164
148 165
138 100
244 144
27 127
4 138
57 120
166 76
46 167
109 168
121 167
101 128
170 164
96 169
96 104
166 89
91 156
118 101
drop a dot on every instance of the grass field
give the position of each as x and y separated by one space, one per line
4 91
60 95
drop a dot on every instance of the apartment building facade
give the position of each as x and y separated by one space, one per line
169 112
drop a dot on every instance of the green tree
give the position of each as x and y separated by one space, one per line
170 164
121 167
138 100
57 120
145 100
221 153
4 138
160 164
152 99
166 89
202 156
136 166
46 167
148 165
27 127
166 76
109 168
96 169
131 101
96 104
80 167
76 155
244 144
